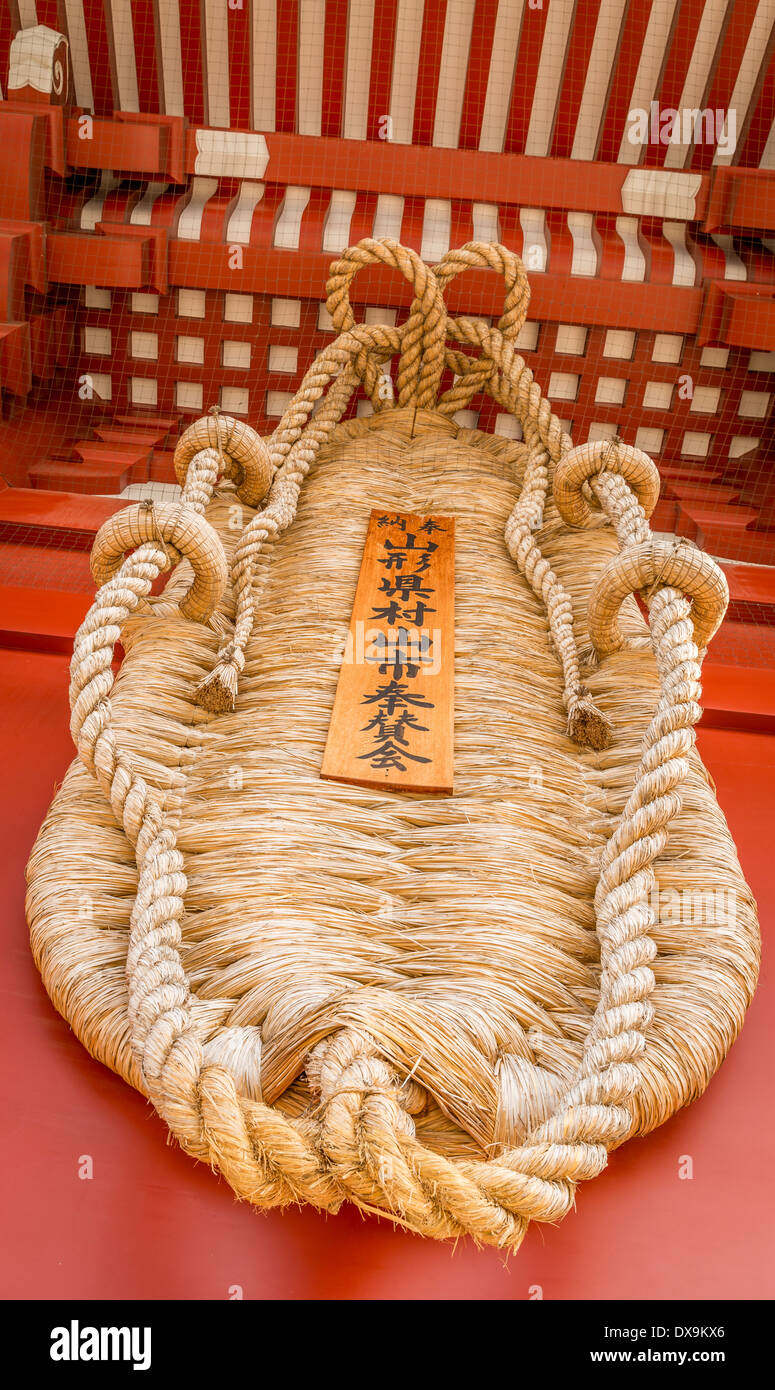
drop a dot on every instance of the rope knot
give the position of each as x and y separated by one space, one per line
350 1063
422 336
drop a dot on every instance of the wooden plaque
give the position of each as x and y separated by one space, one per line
392 724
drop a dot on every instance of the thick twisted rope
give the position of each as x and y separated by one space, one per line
511 383
616 480
297 440
361 1142
218 690
472 374
421 337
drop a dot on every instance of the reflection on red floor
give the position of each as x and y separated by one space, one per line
36 429
151 1223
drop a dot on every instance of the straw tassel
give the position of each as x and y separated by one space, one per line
587 726
217 692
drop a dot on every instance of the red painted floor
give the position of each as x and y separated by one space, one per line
151 1223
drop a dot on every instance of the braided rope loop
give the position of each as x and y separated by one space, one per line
421 337
640 568
587 461
472 374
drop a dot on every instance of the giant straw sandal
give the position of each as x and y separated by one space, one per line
443 1009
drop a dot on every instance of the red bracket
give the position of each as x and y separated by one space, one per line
23 140
741 199
113 260
156 237
133 143
174 140
738 315
55 117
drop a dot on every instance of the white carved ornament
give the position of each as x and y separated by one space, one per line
39 59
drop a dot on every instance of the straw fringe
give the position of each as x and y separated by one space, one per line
217 692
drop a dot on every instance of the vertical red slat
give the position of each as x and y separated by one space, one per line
240 45
334 70
191 52
725 74
287 64
620 94
382 48
47 14
750 151
574 77
482 35
428 72
528 57
145 54
678 59
6 34
99 56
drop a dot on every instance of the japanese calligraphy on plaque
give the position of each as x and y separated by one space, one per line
392 724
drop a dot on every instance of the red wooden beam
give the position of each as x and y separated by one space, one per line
15 362
23 144
41 619
563 298
51 340
32 234
737 697
750 321
424 172
155 237
24 510
174 140
54 116
138 143
14 271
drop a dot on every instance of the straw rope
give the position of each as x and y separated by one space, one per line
362 1141
588 461
625 484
